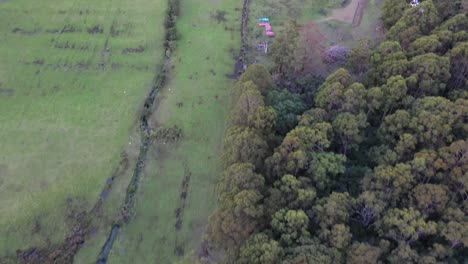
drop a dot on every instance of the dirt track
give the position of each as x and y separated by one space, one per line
347 13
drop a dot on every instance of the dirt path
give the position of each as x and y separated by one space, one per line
352 13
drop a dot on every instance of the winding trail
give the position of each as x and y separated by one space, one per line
351 13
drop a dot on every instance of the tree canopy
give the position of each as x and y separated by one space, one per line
374 171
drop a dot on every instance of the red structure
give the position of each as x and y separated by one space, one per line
267 26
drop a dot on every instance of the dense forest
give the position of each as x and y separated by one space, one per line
369 165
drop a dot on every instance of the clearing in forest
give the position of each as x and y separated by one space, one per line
323 24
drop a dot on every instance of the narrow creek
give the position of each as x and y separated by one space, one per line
139 167
145 134
145 130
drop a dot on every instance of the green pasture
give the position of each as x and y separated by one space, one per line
196 100
73 75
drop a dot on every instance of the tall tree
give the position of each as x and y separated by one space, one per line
250 99
406 225
425 44
430 75
387 61
240 211
290 226
359 56
392 11
391 183
349 130
291 156
243 144
292 193
420 21
334 209
260 76
363 253
459 66
325 167
283 49
430 198
260 249
288 106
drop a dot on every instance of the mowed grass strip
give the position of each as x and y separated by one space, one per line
196 100
73 75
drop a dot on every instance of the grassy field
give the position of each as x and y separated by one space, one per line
73 75
195 100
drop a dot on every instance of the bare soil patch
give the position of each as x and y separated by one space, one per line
351 13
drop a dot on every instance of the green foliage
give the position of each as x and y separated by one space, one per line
291 156
363 253
455 24
430 75
339 236
283 49
388 60
260 76
287 106
403 254
338 94
375 172
392 11
325 167
448 9
312 251
406 225
415 22
260 249
391 183
359 57
334 209
425 44
430 198
244 145
292 193
454 227
290 226
459 65
240 195
237 178
250 99
348 129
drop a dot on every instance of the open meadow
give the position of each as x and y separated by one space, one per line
73 76
176 194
